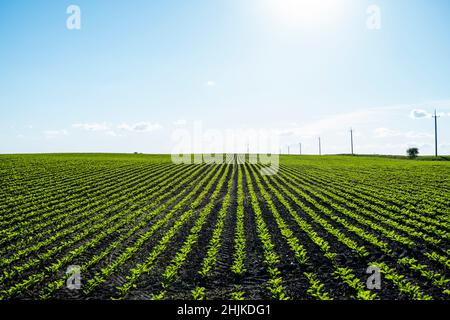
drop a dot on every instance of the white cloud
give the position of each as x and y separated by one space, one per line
418 145
335 122
55 133
386 133
210 83
414 134
419 114
92 126
180 122
108 128
104 127
389 133
112 133
140 127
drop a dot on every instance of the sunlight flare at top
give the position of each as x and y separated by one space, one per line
306 13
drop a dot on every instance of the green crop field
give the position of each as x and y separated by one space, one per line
140 227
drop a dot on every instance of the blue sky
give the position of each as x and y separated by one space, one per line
138 70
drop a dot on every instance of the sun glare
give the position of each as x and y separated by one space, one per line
305 13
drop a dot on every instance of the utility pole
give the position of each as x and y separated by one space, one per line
435 133
248 148
300 147
351 138
320 148
289 151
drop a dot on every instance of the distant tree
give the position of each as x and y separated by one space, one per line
412 152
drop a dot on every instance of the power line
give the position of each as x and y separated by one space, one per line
435 116
320 148
351 139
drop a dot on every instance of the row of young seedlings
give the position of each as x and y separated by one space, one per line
42 217
67 223
404 286
44 202
385 184
239 254
52 235
74 213
427 188
14 171
138 217
313 278
434 206
33 279
316 288
392 202
362 233
20 190
423 270
306 203
25 205
170 208
214 245
172 270
145 267
238 266
443 260
384 217
359 200
384 194
93 229
271 258
389 234
378 217
340 272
